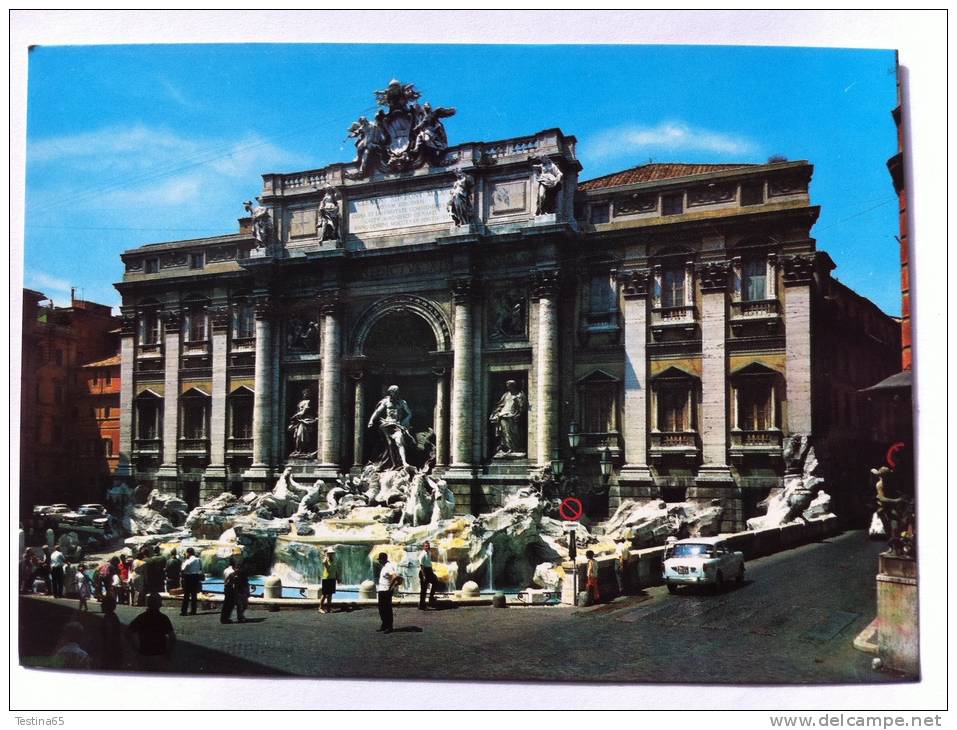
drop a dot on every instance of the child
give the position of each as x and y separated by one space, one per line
591 583
83 587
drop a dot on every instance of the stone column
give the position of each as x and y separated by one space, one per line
124 467
798 277
462 375
330 419
359 420
713 419
262 404
545 286
214 478
441 408
635 479
168 471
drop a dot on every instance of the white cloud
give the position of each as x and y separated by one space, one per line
45 283
673 136
116 167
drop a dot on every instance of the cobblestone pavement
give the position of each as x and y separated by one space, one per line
792 621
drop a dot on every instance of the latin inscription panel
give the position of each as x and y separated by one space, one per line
405 210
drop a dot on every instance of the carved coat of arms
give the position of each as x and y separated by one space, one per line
403 135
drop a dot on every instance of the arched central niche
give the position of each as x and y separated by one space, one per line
400 338
389 308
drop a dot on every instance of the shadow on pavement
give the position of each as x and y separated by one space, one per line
40 628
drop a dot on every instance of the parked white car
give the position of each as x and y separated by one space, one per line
701 561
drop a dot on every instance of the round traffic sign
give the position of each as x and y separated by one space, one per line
571 509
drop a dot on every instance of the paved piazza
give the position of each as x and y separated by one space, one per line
793 621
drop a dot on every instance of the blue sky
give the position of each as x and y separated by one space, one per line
138 144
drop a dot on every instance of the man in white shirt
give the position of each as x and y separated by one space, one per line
389 578
57 564
426 576
622 554
192 577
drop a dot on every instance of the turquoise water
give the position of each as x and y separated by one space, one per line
343 592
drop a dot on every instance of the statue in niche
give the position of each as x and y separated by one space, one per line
302 334
429 132
302 426
393 415
507 417
460 202
508 317
328 223
549 179
262 223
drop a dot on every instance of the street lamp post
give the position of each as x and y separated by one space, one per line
605 465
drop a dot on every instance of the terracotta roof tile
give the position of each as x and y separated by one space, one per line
114 360
655 171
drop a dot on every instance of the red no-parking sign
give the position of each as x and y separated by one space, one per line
571 509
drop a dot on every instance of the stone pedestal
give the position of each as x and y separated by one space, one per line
898 636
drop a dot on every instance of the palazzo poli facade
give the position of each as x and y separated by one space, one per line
671 311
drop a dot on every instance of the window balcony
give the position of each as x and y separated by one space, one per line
196 347
679 318
239 445
149 349
674 443
760 442
595 322
243 344
193 446
756 310
146 446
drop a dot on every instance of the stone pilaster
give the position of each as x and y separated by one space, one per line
359 420
713 419
463 386
330 419
545 285
440 417
215 474
798 278
635 480
124 467
262 403
168 471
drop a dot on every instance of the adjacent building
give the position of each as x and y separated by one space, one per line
63 456
676 314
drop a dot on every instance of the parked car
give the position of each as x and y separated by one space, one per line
92 510
52 509
701 561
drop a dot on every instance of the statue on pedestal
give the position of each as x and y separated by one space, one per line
460 202
262 224
549 179
328 224
506 417
393 415
302 426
